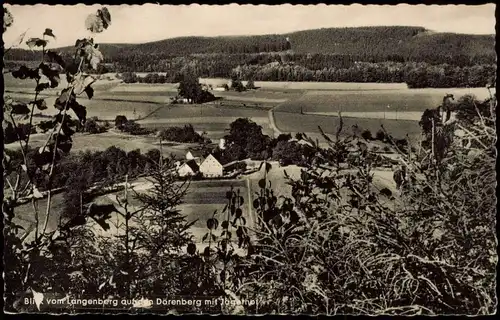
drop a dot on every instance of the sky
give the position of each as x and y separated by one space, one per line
151 22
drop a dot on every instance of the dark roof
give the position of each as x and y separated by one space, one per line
193 165
218 158
196 153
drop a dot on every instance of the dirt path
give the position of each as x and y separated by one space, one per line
272 124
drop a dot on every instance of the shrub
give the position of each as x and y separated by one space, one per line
134 128
381 136
366 134
120 120
185 134
92 126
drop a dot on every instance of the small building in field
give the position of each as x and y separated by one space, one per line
222 143
211 167
188 168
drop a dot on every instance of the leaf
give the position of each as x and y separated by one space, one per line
210 224
100 213
65 99
24 72
256 204
48 32
19 108
67 130
43 158
206 252
105 17
64 143
89 91
42 86
94 23
386 192
51 73
80 111
36 42
191 248
40 104
205 237
8 19
46 125
56 57
238 213
262 183
327 138
260 166
95 58
36 193
38 298
268 167
81 82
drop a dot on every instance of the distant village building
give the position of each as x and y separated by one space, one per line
188 168
195 155
211 167
222 144
220 88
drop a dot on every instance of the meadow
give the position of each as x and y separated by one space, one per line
294 85
200 202
309 123
405 100
367 105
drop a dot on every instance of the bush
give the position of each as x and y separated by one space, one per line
92 126
134 128
381 136
344 251
367 135
185 134
120 120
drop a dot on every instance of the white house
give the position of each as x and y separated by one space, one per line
222 143
211 167
188 168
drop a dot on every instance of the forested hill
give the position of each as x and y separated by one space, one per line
367 43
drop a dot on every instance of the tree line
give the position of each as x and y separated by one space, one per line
416 75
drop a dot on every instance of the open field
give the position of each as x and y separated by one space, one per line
362 104
293 123
293 85
403 100
202 199
393 115
102 141
28 85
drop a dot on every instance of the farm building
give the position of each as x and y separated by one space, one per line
221 88
222 143
211 167
195 155
188 168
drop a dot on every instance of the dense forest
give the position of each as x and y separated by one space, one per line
413 55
